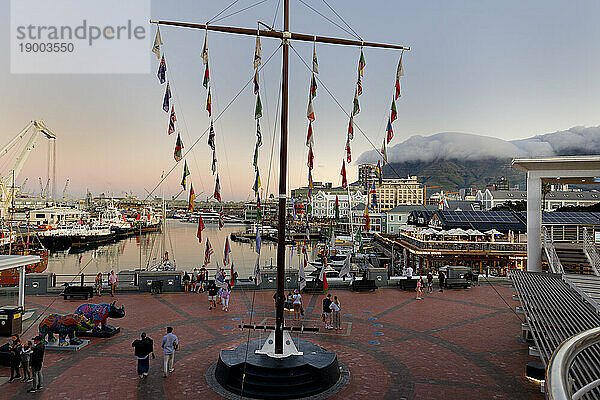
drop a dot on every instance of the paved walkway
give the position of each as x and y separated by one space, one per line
459 344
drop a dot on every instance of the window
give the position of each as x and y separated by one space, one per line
42 216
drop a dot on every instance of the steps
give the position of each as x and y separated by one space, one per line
573 258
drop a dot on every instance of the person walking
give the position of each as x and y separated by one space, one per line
203 275
143 348
169 344
327 311
212 295
98 284
297 304
441 280
225 295
112 281
429 282
37 361
25 359
15 358
335 311
420 288
186 282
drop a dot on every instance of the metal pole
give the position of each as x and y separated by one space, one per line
22 286
282 184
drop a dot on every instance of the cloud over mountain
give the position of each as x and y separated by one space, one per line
471 147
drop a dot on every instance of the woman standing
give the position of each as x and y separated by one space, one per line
112 281
225 294
336 307
297 304
98 284
15 358
25 357
420 288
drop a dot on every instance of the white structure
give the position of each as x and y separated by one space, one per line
554 199
323 203
10 262
376 219
558 170
55 215
398 216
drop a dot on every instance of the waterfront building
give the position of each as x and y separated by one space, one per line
367 174
55 215
323 203
395 192
377 220
399 215
553 200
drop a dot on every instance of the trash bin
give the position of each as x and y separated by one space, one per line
11 320
157 286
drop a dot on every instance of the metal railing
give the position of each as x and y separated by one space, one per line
464 246
553 260
558 380
591 252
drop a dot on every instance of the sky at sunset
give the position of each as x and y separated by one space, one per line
506 69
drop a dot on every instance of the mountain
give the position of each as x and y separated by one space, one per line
455 160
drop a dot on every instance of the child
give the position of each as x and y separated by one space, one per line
25 357
420 288
225 294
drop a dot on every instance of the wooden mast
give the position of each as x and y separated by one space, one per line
285 36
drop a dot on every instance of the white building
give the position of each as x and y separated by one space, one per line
55 215
376 219
554 199
323 203
399 215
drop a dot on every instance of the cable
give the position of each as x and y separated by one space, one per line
222 11
331 21
508 305
344 111
207 129
342 19
274 135
247 344
239 11
276 10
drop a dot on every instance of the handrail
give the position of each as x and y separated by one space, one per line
558 382
589 248
553 260
453 245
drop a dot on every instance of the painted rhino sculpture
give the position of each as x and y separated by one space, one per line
64 325
98 313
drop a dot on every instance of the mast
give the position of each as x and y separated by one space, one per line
282 182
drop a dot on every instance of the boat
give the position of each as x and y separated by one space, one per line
10 277
78 236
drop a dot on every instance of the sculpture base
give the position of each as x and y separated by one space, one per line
110 331
291 377
54 346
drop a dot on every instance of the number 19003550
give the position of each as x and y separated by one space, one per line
46 47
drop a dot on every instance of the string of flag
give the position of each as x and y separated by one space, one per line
310 114
257 183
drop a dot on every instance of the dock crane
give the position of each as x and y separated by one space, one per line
31 134
23 184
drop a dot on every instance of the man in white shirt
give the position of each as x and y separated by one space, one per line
170 343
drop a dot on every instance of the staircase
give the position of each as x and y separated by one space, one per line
573 259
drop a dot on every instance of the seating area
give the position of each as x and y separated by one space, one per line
364 285
78 291
408 284
555 311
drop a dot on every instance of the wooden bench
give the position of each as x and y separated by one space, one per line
364 285
408 284
78 291
314 286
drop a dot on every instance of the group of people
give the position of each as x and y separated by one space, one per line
27 357
218 295
331 312
112 283
144 348
421 284
196 282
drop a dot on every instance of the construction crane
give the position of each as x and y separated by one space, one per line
425 192
23 184
31 134
64 192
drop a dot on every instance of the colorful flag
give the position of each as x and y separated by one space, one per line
258 208
394 113
257 53
384 154
256 88
226 252
348 151
162 69
257 274
315 67
206 77
258 240
213 166
351 127
178 148
205 50
157 43
231 279
345 270
309 135
258 108
301 270
399 74
307 229
211 136
337 208
343 173
217 194
167 98
208 252
191 199
221 218
358 234
310 112
356 105
255 162
208 104
323 276
172 120
379 172
313 87
361 63
311 158
390 131
257 182
258 134
200 228
367 219
359 85
373 193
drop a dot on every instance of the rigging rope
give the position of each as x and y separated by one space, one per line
239 11
342 19
222 11
330 20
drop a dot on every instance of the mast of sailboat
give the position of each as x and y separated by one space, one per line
163 242
285 36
